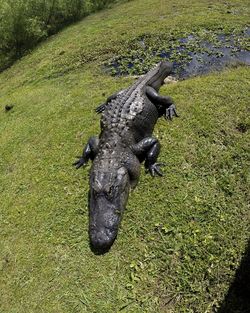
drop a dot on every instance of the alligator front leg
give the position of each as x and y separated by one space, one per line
164 104
89 152
148 149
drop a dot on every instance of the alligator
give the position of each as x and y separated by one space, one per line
127 123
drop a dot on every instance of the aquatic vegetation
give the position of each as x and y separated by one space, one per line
192 54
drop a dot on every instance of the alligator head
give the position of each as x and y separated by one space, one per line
108 196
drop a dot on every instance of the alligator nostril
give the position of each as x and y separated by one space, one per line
101 240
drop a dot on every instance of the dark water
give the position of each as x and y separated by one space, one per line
209 56
216 59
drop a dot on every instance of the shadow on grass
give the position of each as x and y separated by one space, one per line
237 299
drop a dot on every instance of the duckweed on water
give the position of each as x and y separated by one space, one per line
191 54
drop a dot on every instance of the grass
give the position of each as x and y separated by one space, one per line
183 235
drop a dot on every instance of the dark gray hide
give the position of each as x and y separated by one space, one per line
127 122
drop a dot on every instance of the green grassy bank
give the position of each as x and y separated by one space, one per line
183 236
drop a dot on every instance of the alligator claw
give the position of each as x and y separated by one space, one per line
79 163
154 169
171 112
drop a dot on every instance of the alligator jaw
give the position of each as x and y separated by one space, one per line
106 206
104 220
101 240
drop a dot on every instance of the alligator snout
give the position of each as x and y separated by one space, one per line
102 239
103 224
108 196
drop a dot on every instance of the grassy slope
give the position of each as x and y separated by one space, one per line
182 235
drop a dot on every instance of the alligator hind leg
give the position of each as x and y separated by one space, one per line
148 149
164 104
89 152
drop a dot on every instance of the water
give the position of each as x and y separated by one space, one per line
203 63
190 57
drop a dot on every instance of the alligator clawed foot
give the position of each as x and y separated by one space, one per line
80 162
154 169
171 112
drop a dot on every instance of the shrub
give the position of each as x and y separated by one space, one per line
24 23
